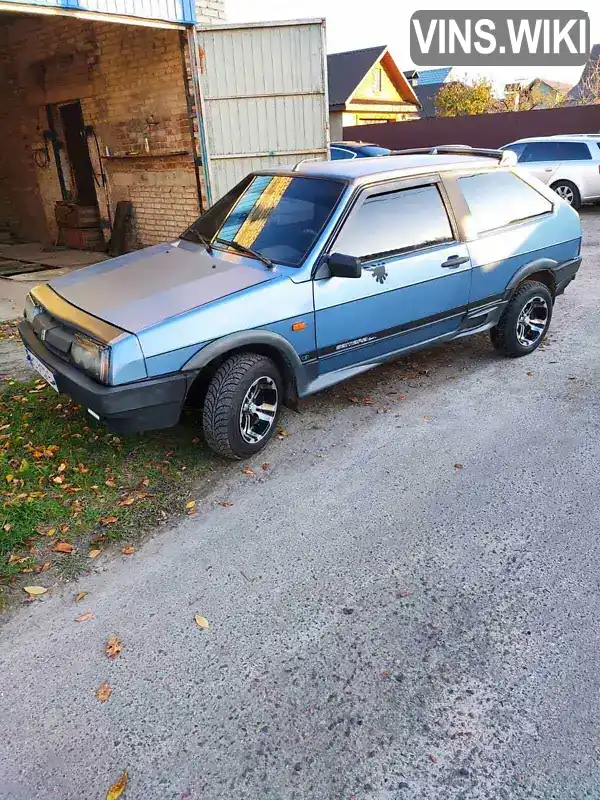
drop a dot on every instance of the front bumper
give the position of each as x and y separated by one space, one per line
133 407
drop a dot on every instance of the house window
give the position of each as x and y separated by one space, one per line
377 80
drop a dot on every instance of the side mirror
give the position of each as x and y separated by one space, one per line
341 266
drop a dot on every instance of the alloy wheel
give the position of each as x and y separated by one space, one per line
259 410
532 321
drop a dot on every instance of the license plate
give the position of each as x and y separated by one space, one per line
43 370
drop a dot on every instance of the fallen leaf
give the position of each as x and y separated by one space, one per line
368 401
84 617
433 758
94 553
62 467
202 622
43 567
282 433
118 787
248 471
23 465
110 520
82 469
15 559
127 501
110 482
266 466
103 692
128 551
225 503
114 646
458 466
191 504
9 477
63 547
58 479
530 374
145 482
426 419
35 591
79 596
7 527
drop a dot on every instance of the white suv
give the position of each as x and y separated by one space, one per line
570 164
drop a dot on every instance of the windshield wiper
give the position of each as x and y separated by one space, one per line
241 248
201 238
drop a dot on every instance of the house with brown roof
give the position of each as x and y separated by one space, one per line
524 95
366 87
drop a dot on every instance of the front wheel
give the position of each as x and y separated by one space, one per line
242 405
525 320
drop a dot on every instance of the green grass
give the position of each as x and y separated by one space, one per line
65 478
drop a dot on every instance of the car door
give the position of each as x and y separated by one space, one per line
415 280
541 159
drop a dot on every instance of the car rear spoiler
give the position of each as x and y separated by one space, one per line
503 157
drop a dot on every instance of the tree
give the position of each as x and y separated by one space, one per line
587 91
457 98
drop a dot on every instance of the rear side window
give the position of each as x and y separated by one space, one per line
574 151
339 153
396 222
497 199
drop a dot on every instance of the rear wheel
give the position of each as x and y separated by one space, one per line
242 405
525 320
569 192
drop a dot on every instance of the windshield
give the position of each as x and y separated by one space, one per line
278 216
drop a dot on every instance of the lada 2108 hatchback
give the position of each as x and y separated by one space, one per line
300 278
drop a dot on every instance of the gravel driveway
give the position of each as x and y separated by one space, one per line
403 604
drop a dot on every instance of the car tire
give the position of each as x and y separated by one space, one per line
525 321
244 386
569 192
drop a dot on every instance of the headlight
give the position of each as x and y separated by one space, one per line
92 357
31 309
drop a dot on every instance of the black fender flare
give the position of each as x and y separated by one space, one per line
539 265
246 340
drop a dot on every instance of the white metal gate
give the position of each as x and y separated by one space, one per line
263 96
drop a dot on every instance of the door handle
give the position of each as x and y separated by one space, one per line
548 169
454 261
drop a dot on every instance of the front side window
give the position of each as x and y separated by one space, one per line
396 222
278 216
516 148
497 199
539 151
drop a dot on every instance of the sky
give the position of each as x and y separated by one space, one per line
389 24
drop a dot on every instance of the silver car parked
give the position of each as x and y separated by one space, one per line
569 164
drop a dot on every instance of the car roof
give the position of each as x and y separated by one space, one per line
359 170
567 137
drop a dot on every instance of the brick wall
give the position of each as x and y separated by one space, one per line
130 81
210 12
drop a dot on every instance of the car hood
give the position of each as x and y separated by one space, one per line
138 290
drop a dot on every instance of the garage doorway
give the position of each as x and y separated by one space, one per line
78 154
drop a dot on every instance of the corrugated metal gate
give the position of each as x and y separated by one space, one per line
264 98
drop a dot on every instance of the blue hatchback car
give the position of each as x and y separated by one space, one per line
300 278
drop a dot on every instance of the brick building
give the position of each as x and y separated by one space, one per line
97 109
